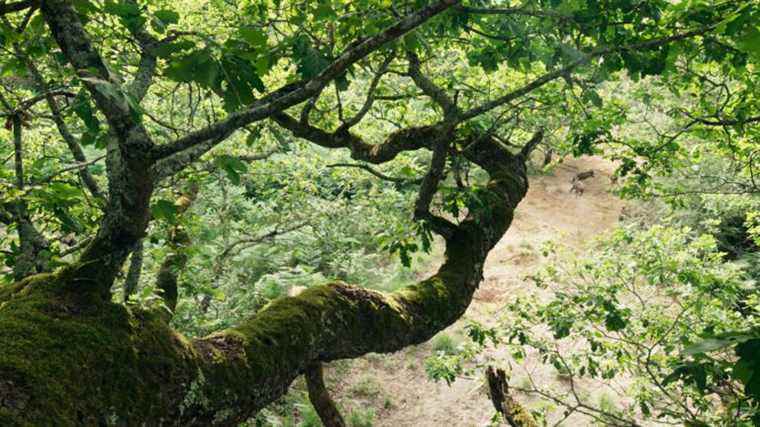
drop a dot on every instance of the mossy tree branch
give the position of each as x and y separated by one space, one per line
228 376
506 405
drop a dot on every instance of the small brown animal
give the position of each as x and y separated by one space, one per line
578 188
584 175
548 155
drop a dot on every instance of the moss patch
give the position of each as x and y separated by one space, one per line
70 358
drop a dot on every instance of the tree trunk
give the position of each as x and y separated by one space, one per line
72 357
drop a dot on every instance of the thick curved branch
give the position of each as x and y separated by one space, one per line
340 321
227 377
6 8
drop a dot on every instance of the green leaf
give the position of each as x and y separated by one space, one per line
715 343
165 50
749 42
253 36
324 11
309 60
121 9
129 13
232 166
164 210
167 16
198 66
594 97
83 109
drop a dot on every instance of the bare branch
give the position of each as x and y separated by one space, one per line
105 88
532 144
127 213
718 121
498 389
376 173
296 93
408 139
63 129
29 103
146 68
429 188
514 11
438 95
132 281
76 167
397 97
250 241
552 75
320 398
16 6
352 121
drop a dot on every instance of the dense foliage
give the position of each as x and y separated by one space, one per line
201 159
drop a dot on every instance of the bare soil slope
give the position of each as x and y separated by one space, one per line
396 386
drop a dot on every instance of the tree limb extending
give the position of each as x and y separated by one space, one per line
320 397
376 173
296 93
227 377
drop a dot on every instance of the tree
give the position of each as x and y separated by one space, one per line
118 58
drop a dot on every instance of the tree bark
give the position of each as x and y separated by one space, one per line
132 281
34 255
320 397
506 405
138 370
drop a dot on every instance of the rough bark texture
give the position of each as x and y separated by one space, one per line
132 281
53 335
506 405
130 182
34 255
320 398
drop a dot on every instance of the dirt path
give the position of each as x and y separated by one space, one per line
397 387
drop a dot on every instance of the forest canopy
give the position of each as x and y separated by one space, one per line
201 201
